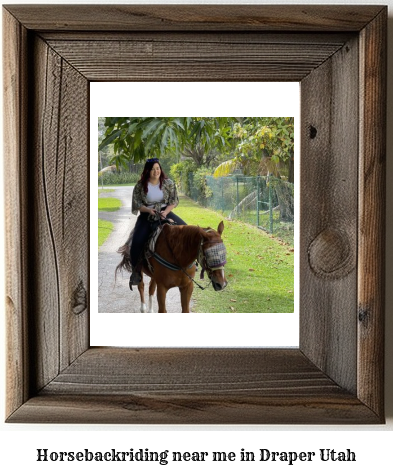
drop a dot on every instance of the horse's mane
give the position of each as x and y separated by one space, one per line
182 239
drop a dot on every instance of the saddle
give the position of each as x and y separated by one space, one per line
149 249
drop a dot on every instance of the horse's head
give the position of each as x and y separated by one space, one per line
212 256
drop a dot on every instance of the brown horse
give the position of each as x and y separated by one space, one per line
177 249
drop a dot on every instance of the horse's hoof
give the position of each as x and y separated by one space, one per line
143 308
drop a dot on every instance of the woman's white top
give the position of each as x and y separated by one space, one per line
154 194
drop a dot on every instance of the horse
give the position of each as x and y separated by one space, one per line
172 264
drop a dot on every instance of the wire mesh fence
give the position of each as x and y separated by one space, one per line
266 202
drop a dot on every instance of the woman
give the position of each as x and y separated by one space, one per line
154 197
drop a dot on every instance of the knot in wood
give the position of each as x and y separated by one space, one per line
330 254
363 315
313 132
80 299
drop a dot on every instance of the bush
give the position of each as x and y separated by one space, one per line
204 192
118 178
180 172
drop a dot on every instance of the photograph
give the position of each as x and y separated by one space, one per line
208 206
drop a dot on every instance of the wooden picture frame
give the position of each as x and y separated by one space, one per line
338 54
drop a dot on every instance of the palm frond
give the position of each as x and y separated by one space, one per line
226 168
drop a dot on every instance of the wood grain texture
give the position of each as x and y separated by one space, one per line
193 386
221 409
232 59
53 375
200 37
14 148
195 17
372 191
328 247
187 371
60 216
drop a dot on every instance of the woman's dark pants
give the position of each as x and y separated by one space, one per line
142 232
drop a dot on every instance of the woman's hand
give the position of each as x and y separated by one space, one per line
164 215
167 210
148 210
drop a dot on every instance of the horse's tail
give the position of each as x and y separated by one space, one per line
125 263
125 251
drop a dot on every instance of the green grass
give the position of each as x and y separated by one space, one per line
109 204
106 204
104 230
259 269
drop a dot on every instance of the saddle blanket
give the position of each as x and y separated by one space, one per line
151 243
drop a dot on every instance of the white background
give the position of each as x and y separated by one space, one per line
372 443
207 99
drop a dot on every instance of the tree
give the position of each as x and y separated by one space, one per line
103 155
137 138
265 146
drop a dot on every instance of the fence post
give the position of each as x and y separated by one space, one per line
237 195
222 195
258 191
270 208
102 177
189 179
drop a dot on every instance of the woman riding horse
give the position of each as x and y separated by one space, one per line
154 197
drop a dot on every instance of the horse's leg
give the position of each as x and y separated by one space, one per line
161 297
185 296
152 289
141 289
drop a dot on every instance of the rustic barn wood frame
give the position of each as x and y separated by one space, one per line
338 54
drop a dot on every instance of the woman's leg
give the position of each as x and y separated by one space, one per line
141 234
176 218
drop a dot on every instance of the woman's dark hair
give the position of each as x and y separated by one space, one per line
146 173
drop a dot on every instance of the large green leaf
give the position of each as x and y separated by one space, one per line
109 139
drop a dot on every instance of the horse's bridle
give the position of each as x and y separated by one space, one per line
201 259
